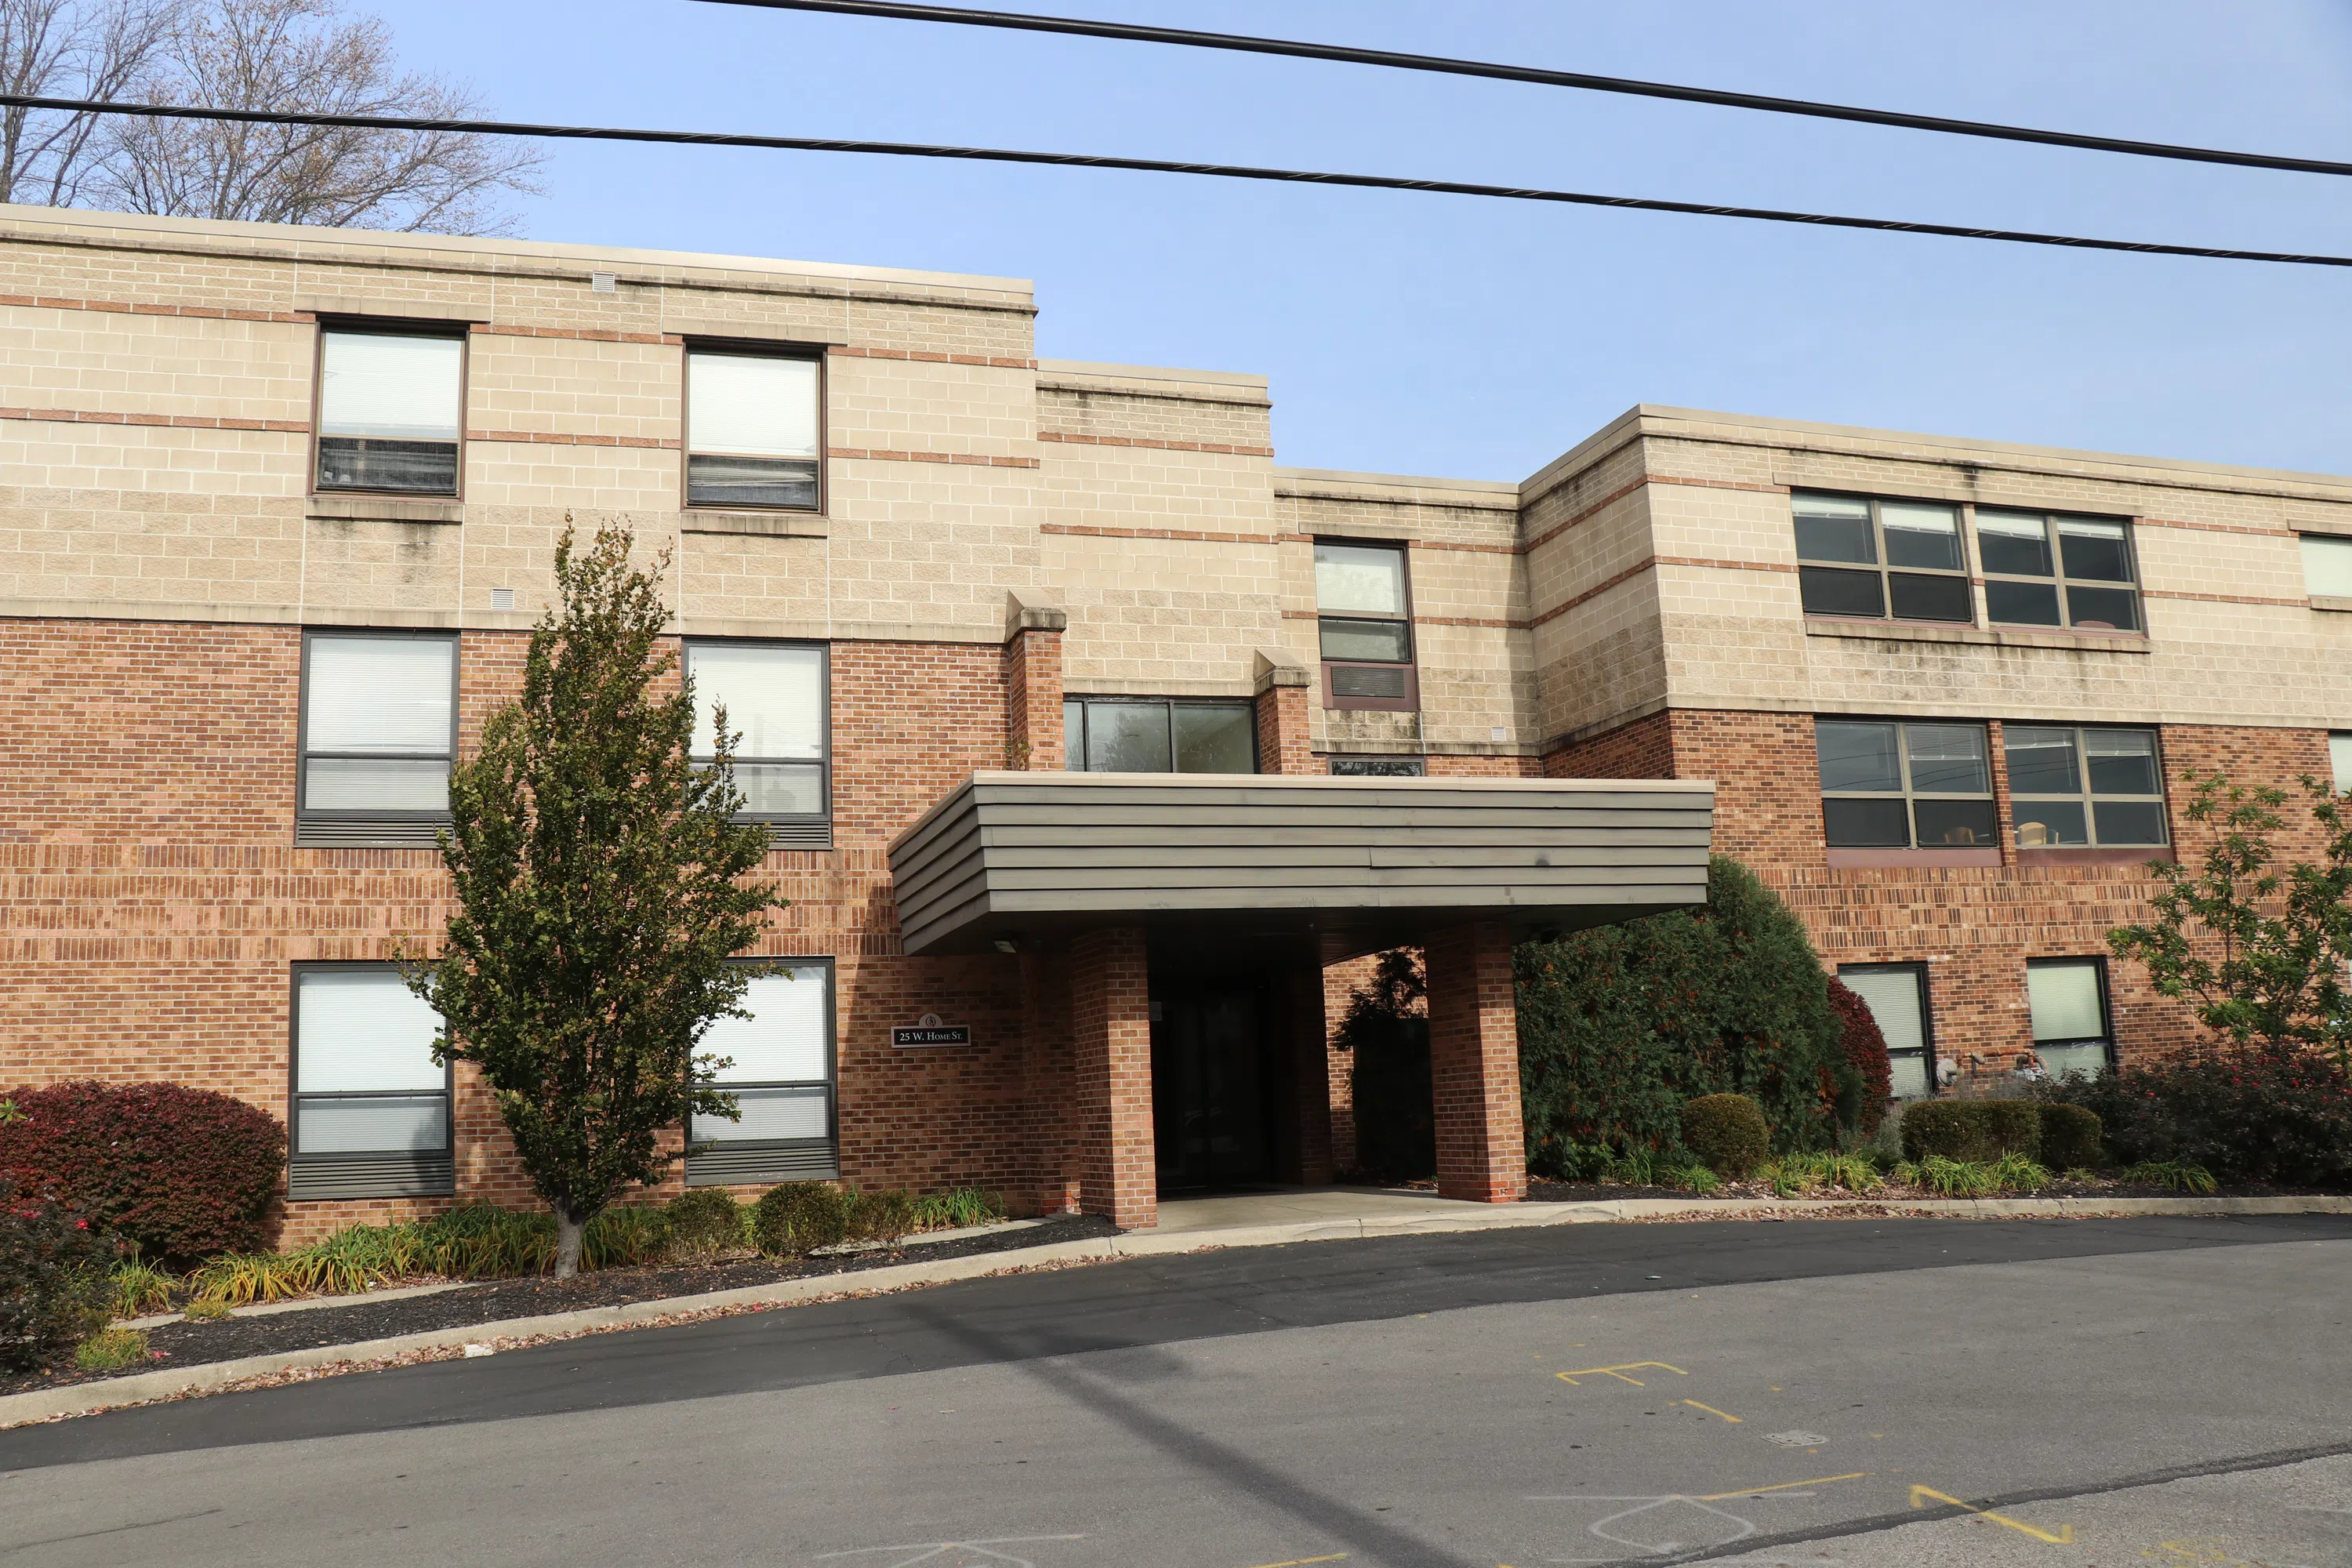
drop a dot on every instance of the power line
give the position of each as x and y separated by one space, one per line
1246 44
1150 166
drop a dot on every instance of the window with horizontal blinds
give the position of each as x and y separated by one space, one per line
1887 785
371 1107
2339 758
775 697
752 429
1365 629
2068 1000
2076 786
1881 560
1896 995
379 727
391 405
779 1069
2327 566
2048 569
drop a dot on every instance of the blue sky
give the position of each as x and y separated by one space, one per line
1457 337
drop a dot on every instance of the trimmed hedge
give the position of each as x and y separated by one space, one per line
1727 1134
1976 1130
1865 1045
53 1279
2069 1138
182 1174
704 1222
798 1217
1620 1025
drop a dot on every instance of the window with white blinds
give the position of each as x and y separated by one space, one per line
780 1071
372 1112
751 430
2068 1000
1896 995
379 726
774 695
391 405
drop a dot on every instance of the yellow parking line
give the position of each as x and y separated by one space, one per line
1711 1410
2064 1537
1302 1561
1617 1372
1784 1486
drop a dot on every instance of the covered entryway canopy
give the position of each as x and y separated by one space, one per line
1141 904
1351 864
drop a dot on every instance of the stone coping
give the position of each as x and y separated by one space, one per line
84 1399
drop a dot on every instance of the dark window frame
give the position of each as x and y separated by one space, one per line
1410 666
1923 972
388 327
2340 741
819 355
401 826
346 1176
1073 739
1360 766
781 826
2059 579
738 1162
1882 569
2089 798
2098 964
1908 795
2302 541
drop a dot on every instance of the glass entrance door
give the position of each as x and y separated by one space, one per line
1209 1096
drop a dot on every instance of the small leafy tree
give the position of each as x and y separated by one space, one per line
598 880
2258 945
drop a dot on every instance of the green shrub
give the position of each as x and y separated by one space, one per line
2070 1136
703 1224
1385 1036
111 1349
1619 1026
884 1218
1726 1132
798 1217
2176 1175
53 1279
2251 1114
1971 1130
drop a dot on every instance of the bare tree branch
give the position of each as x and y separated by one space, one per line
80 49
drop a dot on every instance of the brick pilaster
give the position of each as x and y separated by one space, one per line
1310 1075
1110 1025
1033 684
1474 1063
1283 746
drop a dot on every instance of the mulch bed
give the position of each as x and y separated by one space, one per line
229 1338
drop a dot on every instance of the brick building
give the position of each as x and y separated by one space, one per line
1095 749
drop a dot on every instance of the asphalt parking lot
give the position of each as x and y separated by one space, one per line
1920 1392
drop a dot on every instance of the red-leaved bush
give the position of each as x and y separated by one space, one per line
1865 1047
182 1172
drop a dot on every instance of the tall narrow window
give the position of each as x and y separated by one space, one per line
752 430
1896 995
781 1073
2327 566
2339 758
370 1106
1888 786
2072 786
1883 559
775 697
1151 735
2068 998
1366 625
379 725
390 408
2049 570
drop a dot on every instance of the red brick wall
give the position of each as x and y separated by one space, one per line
1033 701
1975 926
1282 742
1474 1064
1110 1111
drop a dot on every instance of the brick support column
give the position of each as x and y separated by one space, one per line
1311 1073
1474 1064
1110 1025
1033 683
1282 744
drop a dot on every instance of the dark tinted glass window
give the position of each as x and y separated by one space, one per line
1875 559
2053 570
1887 785
2072 786
1153 735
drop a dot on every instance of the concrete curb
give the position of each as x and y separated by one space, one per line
78 1399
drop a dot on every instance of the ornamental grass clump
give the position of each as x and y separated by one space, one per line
1726 1132
958 1208
472 1241
2178 1175
112 1349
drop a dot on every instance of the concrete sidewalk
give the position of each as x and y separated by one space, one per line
1258 1219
